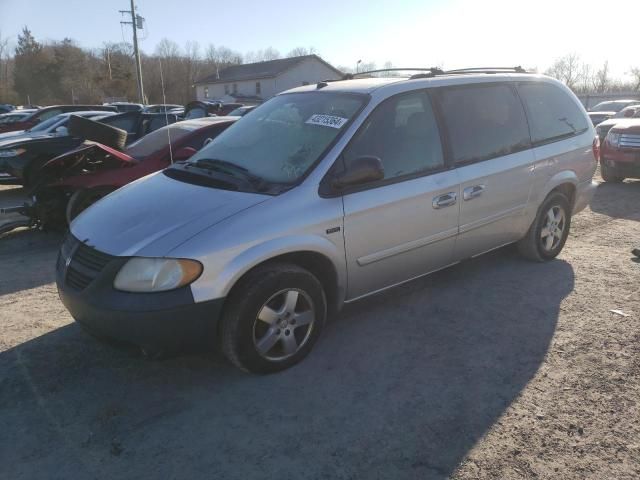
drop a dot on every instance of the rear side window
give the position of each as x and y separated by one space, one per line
553 115
403 133
483 121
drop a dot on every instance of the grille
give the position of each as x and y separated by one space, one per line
629 141
86 262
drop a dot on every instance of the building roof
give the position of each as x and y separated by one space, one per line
252 71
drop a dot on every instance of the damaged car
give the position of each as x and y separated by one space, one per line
70 183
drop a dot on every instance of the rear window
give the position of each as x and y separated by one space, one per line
157 140
553 114
483 121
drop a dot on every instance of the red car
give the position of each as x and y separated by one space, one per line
77 179
620 151
48 112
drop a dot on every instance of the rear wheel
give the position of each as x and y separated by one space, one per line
610 175
83 199
549 231
273 318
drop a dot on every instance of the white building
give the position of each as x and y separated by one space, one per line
255 82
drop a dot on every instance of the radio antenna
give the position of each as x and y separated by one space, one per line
166 114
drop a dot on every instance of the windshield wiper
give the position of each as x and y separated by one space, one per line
232 169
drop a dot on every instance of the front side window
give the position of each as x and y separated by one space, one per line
402 132
483 122
553 115
283 138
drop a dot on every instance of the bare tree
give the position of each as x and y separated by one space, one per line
601 79
635 73
566 69
265 55
302 51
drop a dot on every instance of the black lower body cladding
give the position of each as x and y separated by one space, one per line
165 321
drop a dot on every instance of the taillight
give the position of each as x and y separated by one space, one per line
596 147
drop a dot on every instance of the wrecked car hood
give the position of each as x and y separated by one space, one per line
153 215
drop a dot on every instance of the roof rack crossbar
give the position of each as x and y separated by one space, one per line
517 69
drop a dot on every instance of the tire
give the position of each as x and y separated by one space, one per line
97 132
283 295
538 248
609 174
83 199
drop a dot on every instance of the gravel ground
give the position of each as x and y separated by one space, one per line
495 368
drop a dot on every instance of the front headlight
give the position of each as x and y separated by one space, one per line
156 274
14 152
613 139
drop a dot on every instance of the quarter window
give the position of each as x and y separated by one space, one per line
403 133
553 114
483 121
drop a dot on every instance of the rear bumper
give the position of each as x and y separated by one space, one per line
584 193
169 321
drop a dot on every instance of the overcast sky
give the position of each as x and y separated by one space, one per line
451 33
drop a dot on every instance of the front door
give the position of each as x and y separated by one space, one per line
404 225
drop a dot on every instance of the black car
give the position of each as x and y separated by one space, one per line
23 153
138 124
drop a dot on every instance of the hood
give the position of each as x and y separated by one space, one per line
617 121
12 134
155 214
632 125
7 141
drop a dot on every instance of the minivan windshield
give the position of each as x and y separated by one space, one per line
285 136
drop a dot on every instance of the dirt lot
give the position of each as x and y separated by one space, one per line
497 368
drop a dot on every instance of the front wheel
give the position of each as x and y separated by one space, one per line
273 318
83 199
549 231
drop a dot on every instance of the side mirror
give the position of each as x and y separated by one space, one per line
628 113
362 170
61 131
183 153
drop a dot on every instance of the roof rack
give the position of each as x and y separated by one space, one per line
434 71
517 69
431 71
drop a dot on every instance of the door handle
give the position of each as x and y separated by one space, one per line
473 192
444 200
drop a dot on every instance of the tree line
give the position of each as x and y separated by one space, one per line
62 72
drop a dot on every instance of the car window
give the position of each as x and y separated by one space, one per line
282 139
553 114
157 140
483 121
158 122
127 123
48 114
402 132
48 124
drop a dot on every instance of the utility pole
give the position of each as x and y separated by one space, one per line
136 22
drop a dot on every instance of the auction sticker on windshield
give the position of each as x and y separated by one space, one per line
326 120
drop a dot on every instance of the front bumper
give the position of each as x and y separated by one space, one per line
168 321
626 164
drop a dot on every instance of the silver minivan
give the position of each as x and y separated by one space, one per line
321 196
